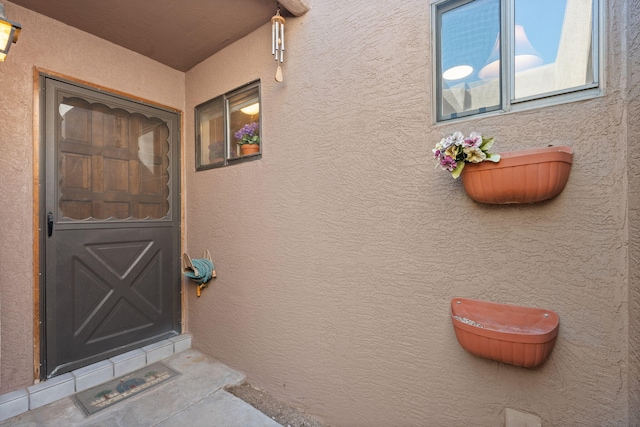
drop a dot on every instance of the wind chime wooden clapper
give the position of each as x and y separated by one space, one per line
200 270
277 42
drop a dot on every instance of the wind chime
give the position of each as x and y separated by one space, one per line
277 42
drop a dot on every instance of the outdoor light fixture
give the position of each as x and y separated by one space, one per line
526 56
277 42
9 32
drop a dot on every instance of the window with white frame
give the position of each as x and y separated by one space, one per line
550 50
228 128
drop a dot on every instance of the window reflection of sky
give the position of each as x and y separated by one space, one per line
542 20
469 32
468 35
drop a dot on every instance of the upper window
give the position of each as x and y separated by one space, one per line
549 47
228 128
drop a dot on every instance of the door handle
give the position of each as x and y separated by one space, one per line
49 224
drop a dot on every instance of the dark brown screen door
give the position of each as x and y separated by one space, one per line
110 225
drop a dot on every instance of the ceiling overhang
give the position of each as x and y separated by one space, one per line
179 34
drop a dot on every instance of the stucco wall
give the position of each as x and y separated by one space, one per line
338 253
50 45
633 114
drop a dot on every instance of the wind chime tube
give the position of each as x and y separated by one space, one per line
277 39
282 41
273 37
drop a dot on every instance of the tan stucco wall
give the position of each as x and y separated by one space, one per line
633 114
59 48
338 253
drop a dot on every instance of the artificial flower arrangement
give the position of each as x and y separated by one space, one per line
455 150
248 134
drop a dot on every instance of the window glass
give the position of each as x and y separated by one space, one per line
244 122
112 163
228 128
553 49
468 37
550 49
211 149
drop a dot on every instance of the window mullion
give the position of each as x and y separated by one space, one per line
227 139
597 39
507 52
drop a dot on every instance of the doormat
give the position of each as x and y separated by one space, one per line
119 389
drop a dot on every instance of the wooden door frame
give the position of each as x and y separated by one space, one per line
38 199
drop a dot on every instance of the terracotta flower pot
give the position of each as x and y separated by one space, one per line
249 149
526 176
520 336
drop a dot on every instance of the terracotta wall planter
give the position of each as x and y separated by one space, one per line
526 176
520 336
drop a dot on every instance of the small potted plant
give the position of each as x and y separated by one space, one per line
248 138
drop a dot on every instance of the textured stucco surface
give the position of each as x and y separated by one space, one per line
53 46
633 114
338 253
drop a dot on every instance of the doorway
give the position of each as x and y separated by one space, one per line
110 221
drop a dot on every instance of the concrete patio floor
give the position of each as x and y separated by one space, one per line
194 398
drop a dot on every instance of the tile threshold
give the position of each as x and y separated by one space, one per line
22 400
